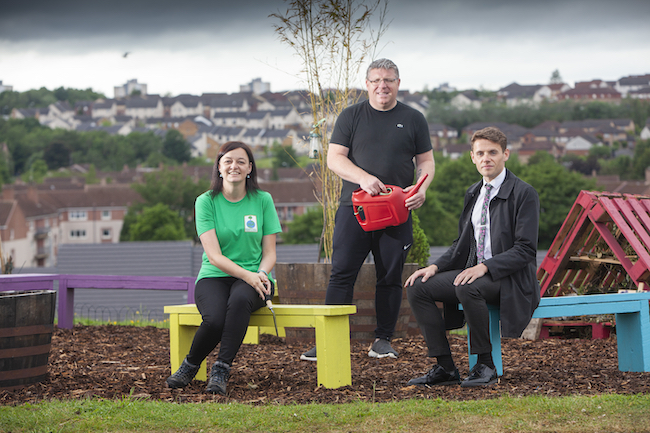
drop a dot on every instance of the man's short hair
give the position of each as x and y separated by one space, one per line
491 134
382 64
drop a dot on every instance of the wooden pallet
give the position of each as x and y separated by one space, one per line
602 246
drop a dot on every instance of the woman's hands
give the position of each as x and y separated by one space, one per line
260 282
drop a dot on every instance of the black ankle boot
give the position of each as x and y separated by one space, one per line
219 374
183 375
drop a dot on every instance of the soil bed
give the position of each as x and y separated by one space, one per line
116 361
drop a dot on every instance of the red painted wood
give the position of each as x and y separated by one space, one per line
590 223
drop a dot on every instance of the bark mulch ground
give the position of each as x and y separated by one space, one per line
116 361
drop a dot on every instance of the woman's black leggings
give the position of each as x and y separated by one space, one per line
226 305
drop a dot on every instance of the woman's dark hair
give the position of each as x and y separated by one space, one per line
217 181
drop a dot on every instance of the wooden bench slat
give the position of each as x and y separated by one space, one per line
281 310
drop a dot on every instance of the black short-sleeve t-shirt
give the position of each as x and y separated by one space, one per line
383 143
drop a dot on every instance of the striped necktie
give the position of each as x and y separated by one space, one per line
480 248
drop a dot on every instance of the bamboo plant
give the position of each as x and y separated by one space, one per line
334 39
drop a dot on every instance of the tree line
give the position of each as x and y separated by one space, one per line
441 111
32 149
43 97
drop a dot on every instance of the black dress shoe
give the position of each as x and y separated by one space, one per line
480 375
437 376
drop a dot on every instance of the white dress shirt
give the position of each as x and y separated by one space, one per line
476 212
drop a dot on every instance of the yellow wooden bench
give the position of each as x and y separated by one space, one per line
331 322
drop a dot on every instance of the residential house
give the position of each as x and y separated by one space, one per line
143 107
455 151
230 118
102 108
83 108
595 90
441 135
35 221
61 109
27 113
516 94
514 133
414 100
253 137
466 100
225 133
551 91
631 84
531 148
202 144
286 118
223 103
273 101
186 105
580 144
285 137
642 93
292 198
258 119
540 134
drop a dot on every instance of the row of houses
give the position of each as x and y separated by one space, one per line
633 86
35 220
561 138
206 121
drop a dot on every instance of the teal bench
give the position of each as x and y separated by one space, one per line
632 324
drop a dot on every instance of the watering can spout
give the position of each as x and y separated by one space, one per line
417 186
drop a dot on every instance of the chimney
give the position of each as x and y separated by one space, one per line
32 193
8 192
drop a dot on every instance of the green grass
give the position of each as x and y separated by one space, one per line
603 413
139 318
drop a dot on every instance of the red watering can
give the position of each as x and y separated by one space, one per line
383 210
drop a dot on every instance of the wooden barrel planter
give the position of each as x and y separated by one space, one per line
26 324
306 283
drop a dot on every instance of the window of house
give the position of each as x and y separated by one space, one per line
106 214
78 215
78 234
106 233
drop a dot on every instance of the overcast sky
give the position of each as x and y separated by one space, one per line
197 46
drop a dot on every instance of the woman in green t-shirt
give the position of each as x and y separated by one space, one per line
237 224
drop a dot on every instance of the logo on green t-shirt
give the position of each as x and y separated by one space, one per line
250 223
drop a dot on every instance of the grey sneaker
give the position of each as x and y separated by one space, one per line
382 349
183 375
219 374
309 355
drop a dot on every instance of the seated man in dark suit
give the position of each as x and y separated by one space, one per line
493 261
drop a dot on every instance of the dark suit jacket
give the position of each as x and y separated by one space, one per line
514 224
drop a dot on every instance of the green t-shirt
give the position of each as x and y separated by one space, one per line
239 226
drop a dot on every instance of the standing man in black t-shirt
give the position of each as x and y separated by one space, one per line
373 144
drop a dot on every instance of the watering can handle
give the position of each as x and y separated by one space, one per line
417 186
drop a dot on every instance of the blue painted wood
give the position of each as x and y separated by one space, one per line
495 339
632 324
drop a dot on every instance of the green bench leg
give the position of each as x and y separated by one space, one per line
333 367
633 338
495 339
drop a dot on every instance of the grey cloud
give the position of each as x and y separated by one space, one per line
36 20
